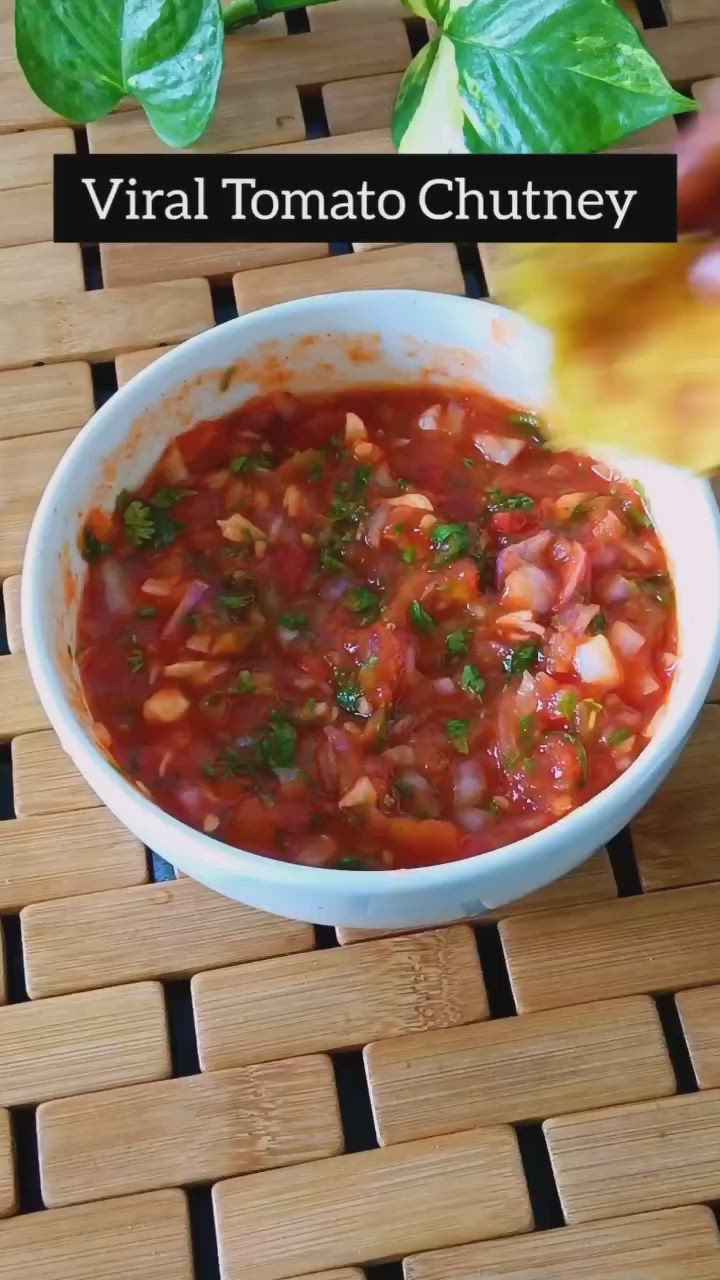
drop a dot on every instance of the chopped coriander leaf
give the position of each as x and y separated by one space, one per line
365 603
567 702
348 862
575 741
276 749
659 586
526 726
316 469
347 691
244 683
456 642
361 477
91 547
521 659
399 528
293 621
231 763
580 510
598 624
635 514
620 735
471 680
136 661
345 509
420 618
146 611
166 496
450 541
512 759
409 555
139 527
499 500
469 463
237 602
458 734
245 462
404 485
530 423
122 500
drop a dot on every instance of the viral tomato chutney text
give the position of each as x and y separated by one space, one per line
377 629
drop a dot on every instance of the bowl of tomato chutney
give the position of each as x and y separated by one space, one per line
322 619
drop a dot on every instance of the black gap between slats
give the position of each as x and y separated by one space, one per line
313 112
624 867
652 13
544 1198
354 1098
676 1044
181 1027
471 267
325 937
417 34
7 805
223 303
297 22
104 382
160 869
27 1164
92 270
385 1271
4 646
497 979
14 962
202 1234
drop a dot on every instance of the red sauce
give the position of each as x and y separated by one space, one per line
384 628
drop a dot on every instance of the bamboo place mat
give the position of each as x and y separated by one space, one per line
191 1089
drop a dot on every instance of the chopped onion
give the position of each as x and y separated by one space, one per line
617 588
116 587
469 783
165 706
625 639
429 419
521 620
444 685
576 618
192 595
361 793
500 449
376 524
528 551
472 819
354 428
412 500
317 851
596 664
529 587
649 685
574 563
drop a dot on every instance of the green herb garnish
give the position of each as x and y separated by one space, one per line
456 642
146 611
530 423
293 621
499 500
365 603
471 681
420 617
409 555
235 603
276 749
567 702
91 547
620 735
449 541
166 496
349 862
245 682
136 661
468 462
347 691
147 525
246 462
521 659
458 732
659 586
598 624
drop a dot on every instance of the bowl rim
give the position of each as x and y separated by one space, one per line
122 797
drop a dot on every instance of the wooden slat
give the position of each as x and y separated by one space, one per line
45 779
707 92
20 710
367 142
135 1238
27 462
11 605
341 1273
244 118
700 1016
80 1043
135 361
15 519
124 264
372 1205
49 857
315 57
8 1193
592 881
102 323
659 942
26 215
403 267
165 930
331 17
689 10
19 107
675 1244
512 1070
664 133
365 102
3 980
687 51
675 837
649 1155
32 272
45 398
26 159
195 1129
337 999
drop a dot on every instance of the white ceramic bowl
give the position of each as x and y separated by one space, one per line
329 343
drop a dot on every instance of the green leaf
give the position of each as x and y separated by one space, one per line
513 77
347 691
499 500
81 58
261 461
91 548
450 541
293 621
365 603
458 732
521 659
276 749
456 642
420 617
471 680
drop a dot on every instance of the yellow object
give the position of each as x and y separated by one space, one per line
637 352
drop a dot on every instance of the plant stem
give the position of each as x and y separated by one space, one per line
239 13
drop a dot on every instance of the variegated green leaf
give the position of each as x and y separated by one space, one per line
519 76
